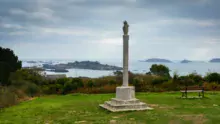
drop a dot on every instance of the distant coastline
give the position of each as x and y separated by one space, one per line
215 60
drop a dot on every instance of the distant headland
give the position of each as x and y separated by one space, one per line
93 65
215 60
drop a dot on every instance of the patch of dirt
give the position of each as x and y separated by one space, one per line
153 105
116 117
166 107
174 122
132 119
80 122
112 121
27 99
160 106
196 119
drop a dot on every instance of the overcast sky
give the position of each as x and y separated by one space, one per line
92 29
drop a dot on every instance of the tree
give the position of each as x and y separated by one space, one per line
8 63
160 70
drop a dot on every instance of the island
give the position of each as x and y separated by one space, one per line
158 60
185 61
93 65
58 70
31 61
215 60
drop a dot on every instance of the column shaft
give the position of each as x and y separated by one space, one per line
125 59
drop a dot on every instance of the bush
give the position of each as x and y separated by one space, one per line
159 80
7 97
197 79
213 86
170 86
213 77
77 83
90 84
72 85
62 81
186 81
142 82
31 89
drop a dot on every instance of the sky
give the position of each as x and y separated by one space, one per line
92 29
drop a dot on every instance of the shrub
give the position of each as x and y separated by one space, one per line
77 83
137 82
159 80
170 85
213 77
211 86
62 81
31 89
197 79
90 84
7 97
186 81
68 86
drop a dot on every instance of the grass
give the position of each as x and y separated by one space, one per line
81 108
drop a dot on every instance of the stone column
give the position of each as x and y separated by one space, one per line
125 59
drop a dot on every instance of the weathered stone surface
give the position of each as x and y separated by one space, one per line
125 59
125 93
125 101
124 105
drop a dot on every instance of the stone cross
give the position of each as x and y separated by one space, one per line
125 95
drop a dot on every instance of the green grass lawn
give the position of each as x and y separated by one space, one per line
80 108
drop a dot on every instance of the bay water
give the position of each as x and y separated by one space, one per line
201 68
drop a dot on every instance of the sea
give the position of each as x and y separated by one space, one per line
201 68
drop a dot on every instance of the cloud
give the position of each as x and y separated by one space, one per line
11 26
157 28
42 14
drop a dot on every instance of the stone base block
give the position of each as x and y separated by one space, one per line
125 93
125 101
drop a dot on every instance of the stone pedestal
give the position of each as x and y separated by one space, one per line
125 93
125 101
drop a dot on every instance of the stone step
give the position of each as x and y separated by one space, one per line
118 101
118 105
115 109
140 105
